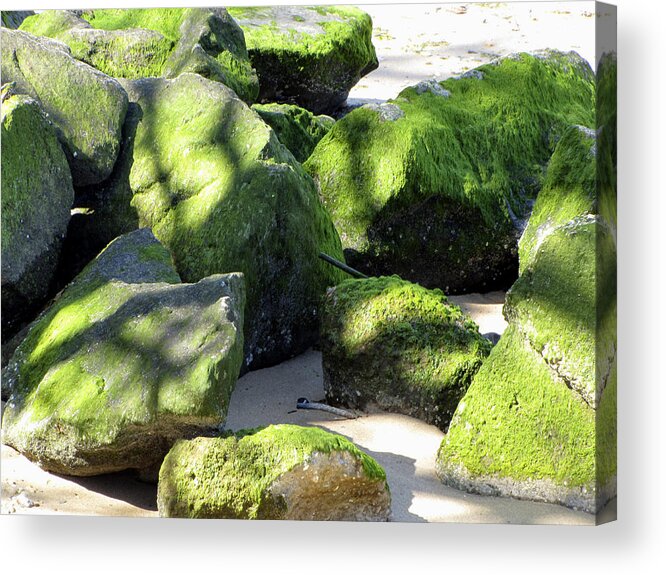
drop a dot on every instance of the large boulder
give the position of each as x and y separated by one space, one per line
298 129
219 190
37 195
392 344
433 185
87 107
125 362
279 472
538 421
309 56
138 43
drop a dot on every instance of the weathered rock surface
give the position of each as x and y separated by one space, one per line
139 43
126 361
37 195
219 190
298 129
87 107
539 420
396 345
308 56
279 472
432 186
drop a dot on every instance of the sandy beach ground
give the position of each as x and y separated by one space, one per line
413 43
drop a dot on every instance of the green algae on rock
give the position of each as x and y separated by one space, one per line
86 107
137 43
539 420
277 472
126 361
298 129
37 195
432 186
215 185
308 56
399 346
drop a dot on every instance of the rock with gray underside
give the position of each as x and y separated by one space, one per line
86 106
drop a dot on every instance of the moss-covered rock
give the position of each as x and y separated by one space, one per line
138 43
37 195
298 129
309 56
126 361
215 185
569 190
432 186
278 472
520 432
14 18
87 107
399 346
538 421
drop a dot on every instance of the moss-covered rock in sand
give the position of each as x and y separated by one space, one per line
13 18
278 472
138 43
126 361
538 421
87 107
432 186
396 345
219 190
298 129
309 56
37 195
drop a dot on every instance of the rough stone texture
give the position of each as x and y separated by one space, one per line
138 43
308 56
437 193
37 195
386 342
279 472
298 129
539 420
126 361
220 191
13 18
87 107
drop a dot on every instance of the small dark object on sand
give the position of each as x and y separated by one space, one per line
303 403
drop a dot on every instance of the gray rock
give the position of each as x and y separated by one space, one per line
117 368
87 107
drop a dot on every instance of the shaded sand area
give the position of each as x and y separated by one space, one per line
404 446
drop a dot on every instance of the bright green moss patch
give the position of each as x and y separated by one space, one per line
297 129
232 477
569 190
386 341
166 21
518 422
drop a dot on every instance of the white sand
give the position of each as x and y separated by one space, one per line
432 41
